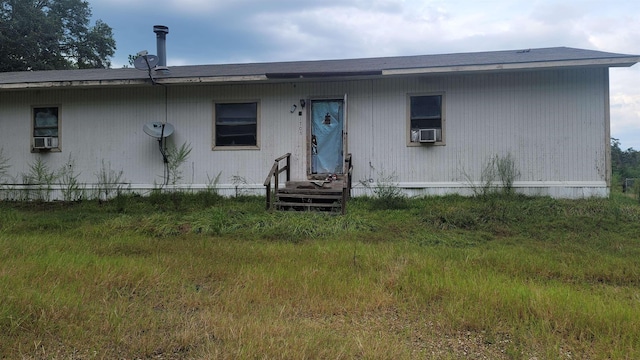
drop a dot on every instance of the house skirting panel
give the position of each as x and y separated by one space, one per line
555 189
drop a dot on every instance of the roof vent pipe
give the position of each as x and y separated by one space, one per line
161 43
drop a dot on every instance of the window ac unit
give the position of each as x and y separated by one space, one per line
45 142
427 135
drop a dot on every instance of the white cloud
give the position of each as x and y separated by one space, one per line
625 106
214 31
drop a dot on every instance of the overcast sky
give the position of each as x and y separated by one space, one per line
231 31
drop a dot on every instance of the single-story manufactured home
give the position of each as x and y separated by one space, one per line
429 124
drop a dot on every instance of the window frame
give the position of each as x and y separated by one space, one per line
443 116
215 146
57 148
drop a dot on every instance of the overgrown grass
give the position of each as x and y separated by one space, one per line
501 277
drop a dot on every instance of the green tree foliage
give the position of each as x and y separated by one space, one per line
52 34
624 163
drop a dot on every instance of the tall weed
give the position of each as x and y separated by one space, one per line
71 189
4 166
239 182
4 174
176 157
210 195
110 182
498 175
507 171
39 181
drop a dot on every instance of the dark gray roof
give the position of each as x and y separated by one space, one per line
478 61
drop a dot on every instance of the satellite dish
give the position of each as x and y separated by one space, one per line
140 62
158 129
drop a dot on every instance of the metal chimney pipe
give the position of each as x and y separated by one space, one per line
161 43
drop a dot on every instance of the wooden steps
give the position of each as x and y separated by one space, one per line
310 196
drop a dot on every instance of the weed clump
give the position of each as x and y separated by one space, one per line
386 194
498 176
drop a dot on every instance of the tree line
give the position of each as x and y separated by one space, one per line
52 35
625 164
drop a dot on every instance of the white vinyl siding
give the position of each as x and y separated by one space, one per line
553 122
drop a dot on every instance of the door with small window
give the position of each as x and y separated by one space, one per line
328 137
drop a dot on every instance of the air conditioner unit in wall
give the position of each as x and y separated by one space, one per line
427 135
45 142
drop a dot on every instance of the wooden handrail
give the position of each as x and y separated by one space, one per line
276 170
346 185
274 174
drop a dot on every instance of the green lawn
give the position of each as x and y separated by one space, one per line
196 276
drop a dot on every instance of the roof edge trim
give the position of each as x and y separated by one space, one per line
610 62
106 83
211 79
322 74
80 83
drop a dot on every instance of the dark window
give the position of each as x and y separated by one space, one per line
236 124
426 113
46 128
45 121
